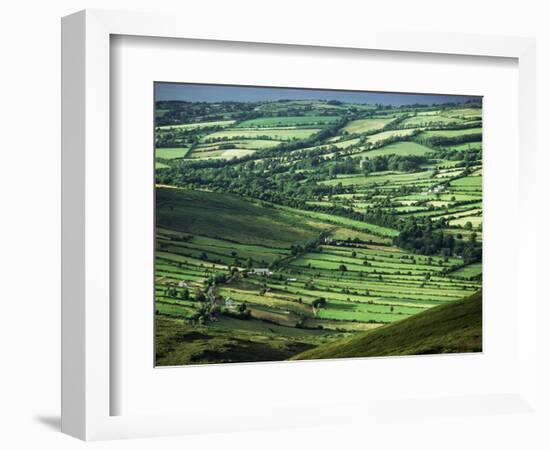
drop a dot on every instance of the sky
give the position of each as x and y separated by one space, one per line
218 93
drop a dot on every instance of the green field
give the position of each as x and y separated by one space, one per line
226 215
171 153
364 125
464 113
471 271
295 121
429 120
282 134
198 125
221 154
233 149
466 146
298 229
452 328
452 133
374 138
399 148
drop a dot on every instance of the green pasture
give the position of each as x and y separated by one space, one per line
197 125
171 153
470 271
215 215
289 121
374 138
451 133
404 148
261 133
364 125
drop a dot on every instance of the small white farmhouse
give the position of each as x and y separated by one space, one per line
260 272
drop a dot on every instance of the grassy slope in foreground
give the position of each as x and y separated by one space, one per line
451 328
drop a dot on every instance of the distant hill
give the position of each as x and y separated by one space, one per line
455 327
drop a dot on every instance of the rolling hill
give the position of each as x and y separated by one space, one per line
455 327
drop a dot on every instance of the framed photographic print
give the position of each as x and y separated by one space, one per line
276 243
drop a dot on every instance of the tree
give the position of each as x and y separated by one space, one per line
319 302
185 294
343 268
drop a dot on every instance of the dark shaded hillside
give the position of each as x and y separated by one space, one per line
226 216
451 328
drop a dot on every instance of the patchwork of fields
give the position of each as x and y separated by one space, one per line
285 226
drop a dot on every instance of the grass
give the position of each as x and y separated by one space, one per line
387 134
179 343
476 221
257 144
470 271
342 145
171 153
222 154
198 125
364 125
272 133
343 234
468 182
242 148
404 148
216 214
464 112
380 179
452 328
466 146
217 250
451 133
427 120
349 223
288 121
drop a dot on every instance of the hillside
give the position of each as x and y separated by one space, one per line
217 214
455 327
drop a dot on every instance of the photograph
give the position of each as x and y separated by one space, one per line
295 223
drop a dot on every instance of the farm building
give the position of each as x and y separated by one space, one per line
436 189
260 272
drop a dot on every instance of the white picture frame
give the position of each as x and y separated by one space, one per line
86 218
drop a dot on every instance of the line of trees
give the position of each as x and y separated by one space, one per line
442 141
428 238
394 163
